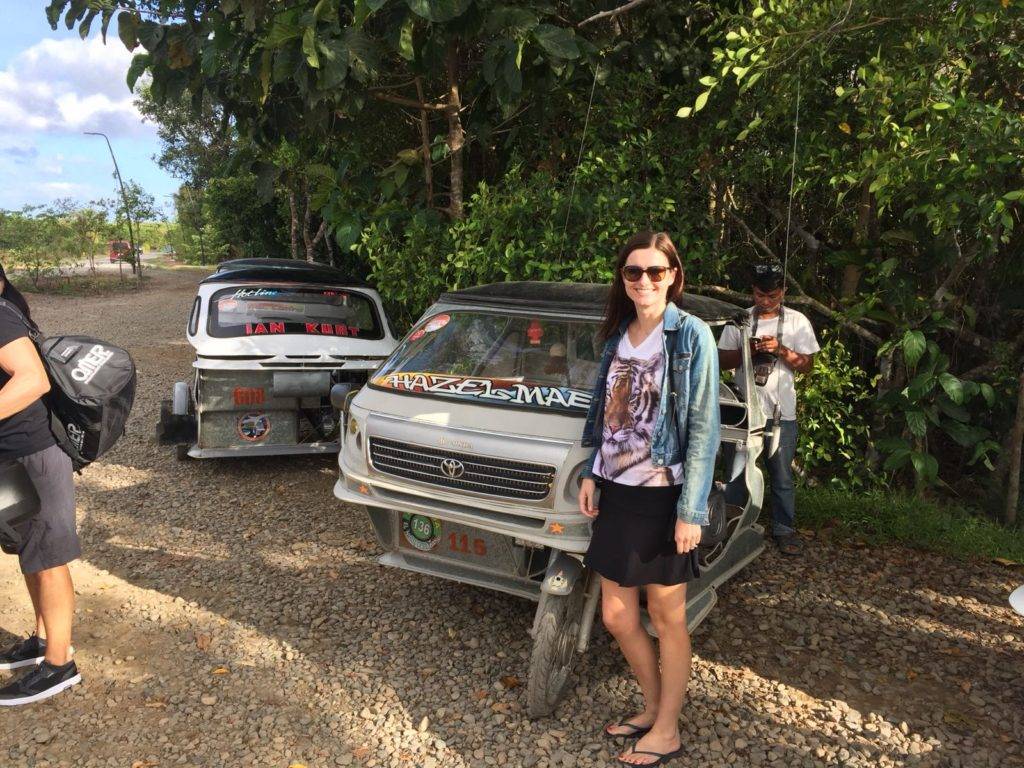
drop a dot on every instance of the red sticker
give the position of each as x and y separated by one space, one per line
417 335
249 395
436 323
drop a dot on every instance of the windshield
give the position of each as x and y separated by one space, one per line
259 311
511 360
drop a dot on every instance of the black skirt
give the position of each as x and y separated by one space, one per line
633 539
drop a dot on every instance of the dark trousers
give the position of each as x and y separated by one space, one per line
780 477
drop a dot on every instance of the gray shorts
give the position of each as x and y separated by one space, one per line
50 538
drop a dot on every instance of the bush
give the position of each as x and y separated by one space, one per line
834 402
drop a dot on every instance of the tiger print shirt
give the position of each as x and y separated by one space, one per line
632 395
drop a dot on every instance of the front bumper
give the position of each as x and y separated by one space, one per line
568 532
243 451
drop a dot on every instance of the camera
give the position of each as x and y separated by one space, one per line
764 364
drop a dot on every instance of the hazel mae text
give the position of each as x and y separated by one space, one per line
487 389
314 329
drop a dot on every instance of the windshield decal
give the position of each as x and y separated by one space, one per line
251 293
496 390
436 323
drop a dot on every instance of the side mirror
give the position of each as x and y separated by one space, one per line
340 394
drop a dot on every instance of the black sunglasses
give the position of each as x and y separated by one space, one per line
634 273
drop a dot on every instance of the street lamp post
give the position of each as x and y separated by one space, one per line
124 201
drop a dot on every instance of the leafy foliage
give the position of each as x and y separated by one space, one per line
835 433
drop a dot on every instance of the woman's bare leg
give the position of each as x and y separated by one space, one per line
620 611
667 608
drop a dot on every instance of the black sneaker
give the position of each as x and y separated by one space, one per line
39 683
24 653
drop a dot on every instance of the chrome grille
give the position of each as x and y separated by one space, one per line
480 474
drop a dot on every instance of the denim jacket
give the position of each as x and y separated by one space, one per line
691 435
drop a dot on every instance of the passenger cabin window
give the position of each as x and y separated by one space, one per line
273 311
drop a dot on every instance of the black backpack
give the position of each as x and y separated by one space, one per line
19 503
92 387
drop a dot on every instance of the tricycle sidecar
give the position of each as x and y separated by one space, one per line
271 337
464 448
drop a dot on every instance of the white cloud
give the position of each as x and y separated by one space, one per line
69 86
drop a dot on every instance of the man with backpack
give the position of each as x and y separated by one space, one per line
49 540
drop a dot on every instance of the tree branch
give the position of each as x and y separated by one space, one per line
750 233
411 103
797 300
813 243
612 13
962 261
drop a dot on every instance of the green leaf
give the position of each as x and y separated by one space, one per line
730 36
698 105
139 63
964 435
953 386
557 41
309 47
940 106
1017 194
128 29
926 465
439 10
284 29
684 112
896 459
989 394
757 13
151 35
917 424
363 8
517 22
913 347
405 49
83 29
708 80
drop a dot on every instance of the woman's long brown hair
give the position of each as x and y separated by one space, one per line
620 306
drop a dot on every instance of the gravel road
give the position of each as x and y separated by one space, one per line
231 613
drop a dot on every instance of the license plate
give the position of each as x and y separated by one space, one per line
430 535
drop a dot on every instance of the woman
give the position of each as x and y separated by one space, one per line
49 540
654 422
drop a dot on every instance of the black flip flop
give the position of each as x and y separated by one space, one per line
663 757
636 733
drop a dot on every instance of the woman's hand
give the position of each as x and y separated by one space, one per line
588 488
687 537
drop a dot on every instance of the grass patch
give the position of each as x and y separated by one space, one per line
83 285
880 517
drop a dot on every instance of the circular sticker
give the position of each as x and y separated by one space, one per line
436 323
420 531
253 427
417 335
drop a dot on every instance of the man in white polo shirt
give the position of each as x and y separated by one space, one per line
782 342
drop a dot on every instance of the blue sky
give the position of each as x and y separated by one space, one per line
54 86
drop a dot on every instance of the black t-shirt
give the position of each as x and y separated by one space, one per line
27 431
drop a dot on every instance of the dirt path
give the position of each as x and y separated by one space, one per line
231 613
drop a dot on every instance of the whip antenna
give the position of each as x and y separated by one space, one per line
579 159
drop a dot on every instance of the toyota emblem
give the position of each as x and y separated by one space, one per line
452 468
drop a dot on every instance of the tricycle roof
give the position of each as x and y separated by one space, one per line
577 298
282 271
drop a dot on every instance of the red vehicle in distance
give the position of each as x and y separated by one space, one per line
119 250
